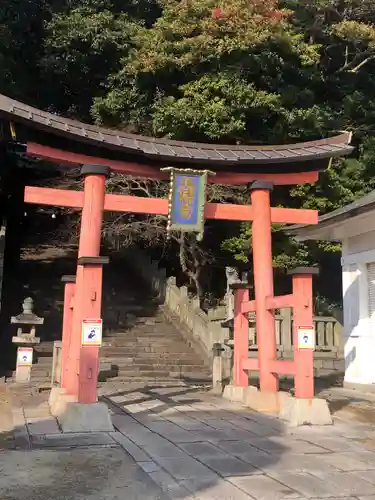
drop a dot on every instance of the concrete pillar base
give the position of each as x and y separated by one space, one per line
59 400
234 393
251 397
79 417
298 411
267 402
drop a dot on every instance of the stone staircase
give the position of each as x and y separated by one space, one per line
151 349
139 344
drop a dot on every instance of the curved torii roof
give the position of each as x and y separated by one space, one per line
63 140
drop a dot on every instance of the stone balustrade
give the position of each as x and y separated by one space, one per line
206 330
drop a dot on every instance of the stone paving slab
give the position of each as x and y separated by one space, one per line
305 484
186 468
133 450
44 426
202 449
229 466
368 475
204 489
346 483
73 440
347 461
172 488
264 488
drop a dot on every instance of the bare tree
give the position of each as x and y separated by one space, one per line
127 229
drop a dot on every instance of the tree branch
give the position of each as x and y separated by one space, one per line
358 61
363 63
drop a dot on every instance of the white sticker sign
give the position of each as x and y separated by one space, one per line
306 337
92 332
24 356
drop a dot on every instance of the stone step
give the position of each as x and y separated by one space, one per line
110 352
146 326
167 382
136 367
164 381
45 361
131 360
143 340
122 366
155 330
38 372
160 377
134 335
128 356
41 371
33 380
142 357
140 336
133 364
44 348
165 343
141 345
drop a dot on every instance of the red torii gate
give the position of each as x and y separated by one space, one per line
101 151
80 363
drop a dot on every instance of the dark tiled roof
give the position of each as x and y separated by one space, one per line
357 207
167 149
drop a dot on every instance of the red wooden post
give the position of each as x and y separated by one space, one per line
91 305
88 278
303 318
69 288
241 335
263 283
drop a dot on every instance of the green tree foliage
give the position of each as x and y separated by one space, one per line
82 47
21 41
224 77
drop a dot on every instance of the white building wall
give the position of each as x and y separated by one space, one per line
357 233
359 308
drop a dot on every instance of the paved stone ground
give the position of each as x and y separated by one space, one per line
179 442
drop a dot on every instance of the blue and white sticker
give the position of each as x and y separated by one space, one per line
25 356
306 337
92 332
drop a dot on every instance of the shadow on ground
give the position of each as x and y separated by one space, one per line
176 454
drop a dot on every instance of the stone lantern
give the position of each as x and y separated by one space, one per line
25 341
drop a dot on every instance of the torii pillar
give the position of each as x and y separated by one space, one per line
263 282
304 409
76 406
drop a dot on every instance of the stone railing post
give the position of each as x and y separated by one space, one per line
217 368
